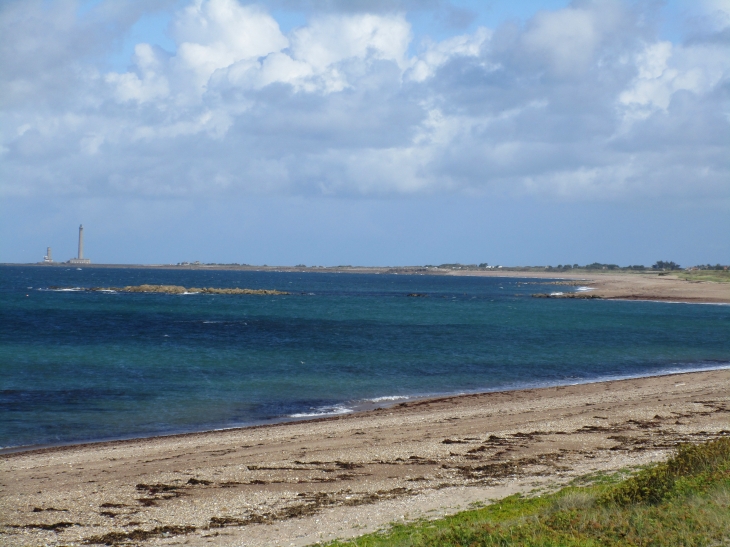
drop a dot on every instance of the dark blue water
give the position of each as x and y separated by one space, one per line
77 366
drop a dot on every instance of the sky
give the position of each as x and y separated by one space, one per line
366 132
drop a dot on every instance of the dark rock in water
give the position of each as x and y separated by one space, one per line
417 294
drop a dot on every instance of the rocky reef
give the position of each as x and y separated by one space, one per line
177 289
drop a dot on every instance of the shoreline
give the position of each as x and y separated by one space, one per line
306 481
636 287
650 286
360 407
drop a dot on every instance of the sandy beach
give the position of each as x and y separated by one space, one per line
630 286
303 482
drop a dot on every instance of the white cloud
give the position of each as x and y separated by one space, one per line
567 38
149 84
578 103
664 69
329 40
214 34
438 53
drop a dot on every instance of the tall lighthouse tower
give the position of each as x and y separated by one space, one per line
81 242
80 259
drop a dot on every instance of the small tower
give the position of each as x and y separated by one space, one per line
48 259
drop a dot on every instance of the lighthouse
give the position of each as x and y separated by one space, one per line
80 258
81 242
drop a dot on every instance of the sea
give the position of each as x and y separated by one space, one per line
79 366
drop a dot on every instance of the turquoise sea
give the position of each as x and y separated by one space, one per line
80 366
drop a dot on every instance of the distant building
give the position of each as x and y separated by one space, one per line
48 259
80 259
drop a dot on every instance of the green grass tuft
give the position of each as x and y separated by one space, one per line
684 502
656 483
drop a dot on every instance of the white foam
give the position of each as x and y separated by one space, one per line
585 289
388 398
556 294
673 302
323 411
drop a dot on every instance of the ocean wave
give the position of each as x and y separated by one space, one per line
332 410
388 398
65 289
581 289
556 294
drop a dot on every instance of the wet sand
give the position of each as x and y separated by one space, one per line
303 482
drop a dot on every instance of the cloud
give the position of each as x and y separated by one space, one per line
358 6
581 103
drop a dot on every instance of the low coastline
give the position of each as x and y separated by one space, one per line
645 287
607 285
310 478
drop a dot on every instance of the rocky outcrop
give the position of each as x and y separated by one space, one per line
166 289
177 289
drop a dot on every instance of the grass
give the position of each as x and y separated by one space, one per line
720 276
682 502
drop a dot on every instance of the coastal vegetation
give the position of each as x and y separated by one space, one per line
666 265
716 275
683 501
593 267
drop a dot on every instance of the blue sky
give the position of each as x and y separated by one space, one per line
366 132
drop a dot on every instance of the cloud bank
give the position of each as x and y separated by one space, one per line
582 103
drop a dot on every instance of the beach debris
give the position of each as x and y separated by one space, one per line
114 538
193 481
55 527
